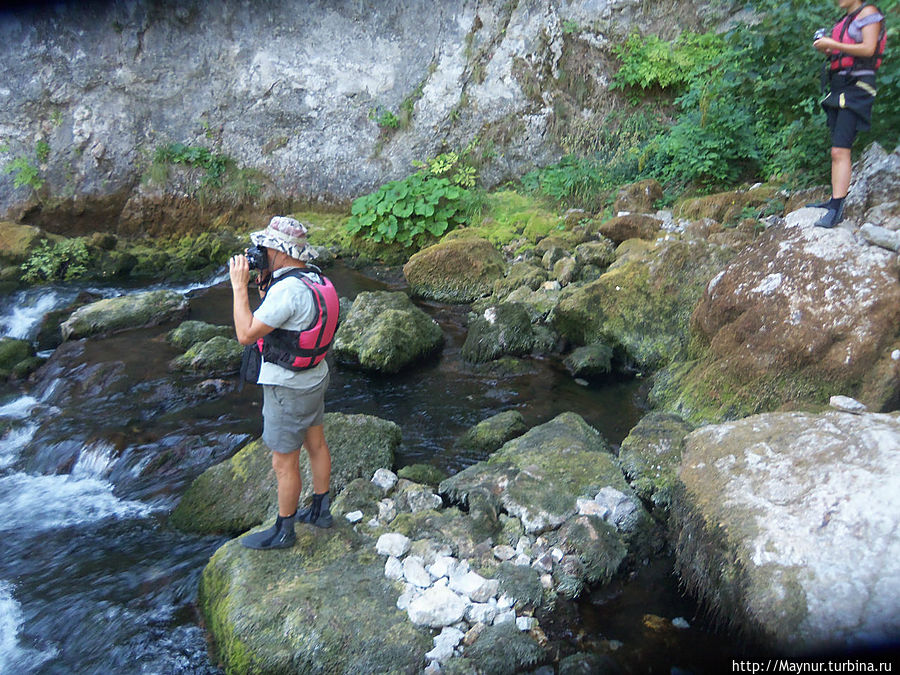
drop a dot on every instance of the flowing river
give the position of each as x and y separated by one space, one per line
97 450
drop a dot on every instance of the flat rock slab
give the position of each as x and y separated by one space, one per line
789 525
123 313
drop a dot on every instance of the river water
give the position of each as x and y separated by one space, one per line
97 450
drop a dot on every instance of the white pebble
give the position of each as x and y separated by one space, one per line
525 622
680 622
354 516
895 355
385 479
392 543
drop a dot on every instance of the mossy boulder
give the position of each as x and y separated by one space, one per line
787 525
643 303
189 333
459 270
638 197
426 474
632 226
597 552
490 434
802 314
13 354
239 493
651 456
538 476
520 274
385 332
499 330
323 606
539 303
18 241
216 357
726 207
601 253
501 649
125 312
593 360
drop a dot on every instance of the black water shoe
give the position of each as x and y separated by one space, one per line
833 215
318 513
818 205
280 535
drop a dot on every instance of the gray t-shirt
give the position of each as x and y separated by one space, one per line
289 305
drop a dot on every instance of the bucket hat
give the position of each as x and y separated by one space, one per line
287 235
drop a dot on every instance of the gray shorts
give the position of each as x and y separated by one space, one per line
288 413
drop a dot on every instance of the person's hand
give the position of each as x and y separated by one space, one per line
826 45
239 270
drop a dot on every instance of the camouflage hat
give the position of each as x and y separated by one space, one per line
286 235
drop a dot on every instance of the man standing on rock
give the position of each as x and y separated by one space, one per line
291 332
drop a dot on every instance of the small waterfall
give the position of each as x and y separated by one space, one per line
21 317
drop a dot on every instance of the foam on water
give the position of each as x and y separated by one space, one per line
13 657
49 502
27 310
13 442
18 408
95 461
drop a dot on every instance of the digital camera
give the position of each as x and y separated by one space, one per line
819 34
257 258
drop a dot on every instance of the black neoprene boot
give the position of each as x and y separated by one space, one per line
280 535
833 215
318 513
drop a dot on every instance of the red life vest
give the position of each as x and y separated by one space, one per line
302 350
841 61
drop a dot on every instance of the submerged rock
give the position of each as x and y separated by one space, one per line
13 353
137 310
787 526
239 493
385 332
457 270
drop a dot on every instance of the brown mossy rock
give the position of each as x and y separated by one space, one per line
136 310
803 314
643 302
384 332
638 197
14 354
725 206
786 527
322 606
632 226
239 493
18 241
459 270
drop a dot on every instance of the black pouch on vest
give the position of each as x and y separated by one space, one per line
251 362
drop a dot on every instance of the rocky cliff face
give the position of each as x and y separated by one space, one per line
292 90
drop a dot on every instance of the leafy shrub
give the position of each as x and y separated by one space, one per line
62 261
429 202
25 174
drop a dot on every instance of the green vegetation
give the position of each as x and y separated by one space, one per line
742 105
429 202
219 176
25 171
62 261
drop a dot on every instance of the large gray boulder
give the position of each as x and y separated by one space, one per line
500 329
136 310
385 332
787 525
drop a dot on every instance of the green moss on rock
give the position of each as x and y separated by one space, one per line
427 474
501 329
385 332
490 434
125 312
215 357
12 353
189 333
239 493
459 270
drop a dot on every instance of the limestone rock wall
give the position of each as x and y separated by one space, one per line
91 89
